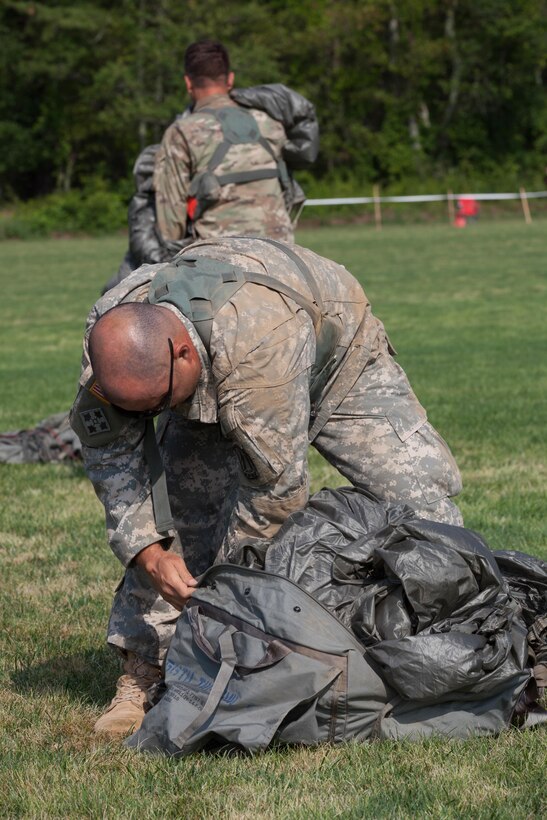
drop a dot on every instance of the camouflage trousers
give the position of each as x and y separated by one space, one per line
378 438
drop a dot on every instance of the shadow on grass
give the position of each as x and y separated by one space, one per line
75 469
67 470
89 676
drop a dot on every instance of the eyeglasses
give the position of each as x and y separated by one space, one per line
166 401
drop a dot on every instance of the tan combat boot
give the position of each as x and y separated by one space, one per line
128 706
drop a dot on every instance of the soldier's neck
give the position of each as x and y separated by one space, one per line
209 91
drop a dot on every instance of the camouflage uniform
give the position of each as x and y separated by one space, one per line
236 452
188 145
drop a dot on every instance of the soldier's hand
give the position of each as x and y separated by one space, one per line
168 573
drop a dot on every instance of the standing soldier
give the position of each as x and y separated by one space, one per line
220 170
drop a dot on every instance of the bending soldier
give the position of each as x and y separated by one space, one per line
248 349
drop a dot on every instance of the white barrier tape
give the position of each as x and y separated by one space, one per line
525 195
352 200
368 200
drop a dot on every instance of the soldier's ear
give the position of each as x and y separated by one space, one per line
188 82
182 348
230 80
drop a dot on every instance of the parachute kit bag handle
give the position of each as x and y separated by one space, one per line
227 666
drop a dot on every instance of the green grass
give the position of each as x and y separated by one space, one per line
466 310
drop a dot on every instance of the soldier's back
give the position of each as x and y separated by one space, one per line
256 206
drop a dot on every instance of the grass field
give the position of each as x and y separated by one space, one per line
466 311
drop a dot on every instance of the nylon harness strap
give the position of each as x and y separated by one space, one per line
297 260
274 284
202 310
352 364
354 359
240 177
351 368
160 499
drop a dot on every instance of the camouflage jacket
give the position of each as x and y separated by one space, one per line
255 384
188 145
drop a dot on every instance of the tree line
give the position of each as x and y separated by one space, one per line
404 89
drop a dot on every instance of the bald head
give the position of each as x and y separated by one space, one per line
131 358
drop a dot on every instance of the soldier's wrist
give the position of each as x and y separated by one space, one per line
148 557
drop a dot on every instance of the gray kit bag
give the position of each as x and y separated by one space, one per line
230 676
256 660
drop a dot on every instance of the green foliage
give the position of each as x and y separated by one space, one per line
91 210
402 90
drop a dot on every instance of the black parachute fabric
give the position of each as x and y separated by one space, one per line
295 112
412 628
428 599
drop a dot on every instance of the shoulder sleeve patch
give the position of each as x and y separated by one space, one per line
95 421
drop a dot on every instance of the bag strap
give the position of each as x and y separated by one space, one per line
296 260
275 651
351 366
200 303
160 498
280 287
227 666
240 177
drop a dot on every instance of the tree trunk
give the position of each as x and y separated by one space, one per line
142 129
457 65
64 177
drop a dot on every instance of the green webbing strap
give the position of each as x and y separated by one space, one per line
200 305
267 147
300 264
355 358
284 175
160 498
218 155
229 659
280 287
239 177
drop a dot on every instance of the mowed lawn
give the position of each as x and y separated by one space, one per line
467 312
